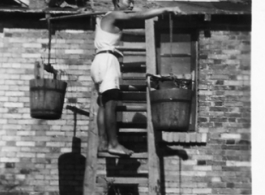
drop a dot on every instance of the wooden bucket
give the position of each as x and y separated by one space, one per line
47 98
171 109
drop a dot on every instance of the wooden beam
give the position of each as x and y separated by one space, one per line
150 46
79 15
89 187
154 180
154 169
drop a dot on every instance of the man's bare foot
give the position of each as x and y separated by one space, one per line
119 150
102 145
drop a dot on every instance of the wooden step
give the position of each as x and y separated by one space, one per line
132 130
131 48
122 180
133 85
134 155
134 76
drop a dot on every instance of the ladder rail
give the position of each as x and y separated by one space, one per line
89 185
154 180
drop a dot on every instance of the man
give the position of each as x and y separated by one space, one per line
105 69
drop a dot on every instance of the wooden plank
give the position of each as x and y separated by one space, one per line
133 76
78 15
122 180
133 82
131 48
154 179
132 130
133 85
134 155
150 50
89 187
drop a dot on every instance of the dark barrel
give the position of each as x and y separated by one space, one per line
171 109
47 98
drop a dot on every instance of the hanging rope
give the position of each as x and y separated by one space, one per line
170 33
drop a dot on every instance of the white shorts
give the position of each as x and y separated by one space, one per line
105 72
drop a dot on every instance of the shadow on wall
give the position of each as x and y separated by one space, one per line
72 165
71 170
124 167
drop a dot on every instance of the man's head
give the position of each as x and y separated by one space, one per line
123 4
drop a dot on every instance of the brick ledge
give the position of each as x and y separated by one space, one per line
184 137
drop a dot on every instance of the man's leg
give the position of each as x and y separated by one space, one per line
111 125
103 140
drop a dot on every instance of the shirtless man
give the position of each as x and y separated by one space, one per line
105 69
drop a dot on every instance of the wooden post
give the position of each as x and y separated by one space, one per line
153 159
89 187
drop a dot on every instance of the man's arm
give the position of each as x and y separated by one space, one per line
118 15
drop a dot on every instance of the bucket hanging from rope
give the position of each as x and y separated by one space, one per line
46 95
47 98
171 109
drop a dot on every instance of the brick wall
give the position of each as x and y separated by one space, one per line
37 156
223 165
32 148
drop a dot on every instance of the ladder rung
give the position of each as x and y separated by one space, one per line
134 155
133 85
134 82
123 180
132 108
132 130
133 48
134 53
134 76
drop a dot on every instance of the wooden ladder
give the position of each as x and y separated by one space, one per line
139 173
